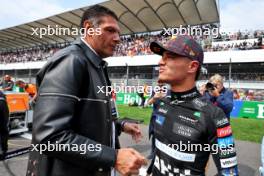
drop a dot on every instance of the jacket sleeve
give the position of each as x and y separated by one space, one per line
54 115
222 144
225 101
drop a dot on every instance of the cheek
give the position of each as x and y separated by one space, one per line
174 69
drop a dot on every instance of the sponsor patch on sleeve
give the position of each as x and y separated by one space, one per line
225 142
223 132
230 171
228 162
221 122
227 152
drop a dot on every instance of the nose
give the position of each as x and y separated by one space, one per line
116 38
162 61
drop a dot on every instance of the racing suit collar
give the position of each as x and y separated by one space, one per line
186 95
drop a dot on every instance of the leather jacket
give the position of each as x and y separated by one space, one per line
71 110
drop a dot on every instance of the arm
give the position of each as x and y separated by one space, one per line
10 87
222 143
155 97
54 115
151 99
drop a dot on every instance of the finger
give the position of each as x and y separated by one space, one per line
135 126
138 137
141 159
137 129
134 172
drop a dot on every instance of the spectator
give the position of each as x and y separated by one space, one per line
31 89
219 95
7 83
236 95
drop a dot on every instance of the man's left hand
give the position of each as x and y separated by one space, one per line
134 130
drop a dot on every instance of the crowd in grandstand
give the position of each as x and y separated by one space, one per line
138 44
233 47
248 95
29 55
238 76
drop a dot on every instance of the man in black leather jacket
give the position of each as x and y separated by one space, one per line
188 127
4 118
73 117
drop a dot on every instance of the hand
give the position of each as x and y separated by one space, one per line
159 95
129 161
215 92
134 130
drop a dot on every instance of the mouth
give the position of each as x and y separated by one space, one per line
161 70
113 47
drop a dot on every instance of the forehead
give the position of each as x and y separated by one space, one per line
216 82
108 21
175 56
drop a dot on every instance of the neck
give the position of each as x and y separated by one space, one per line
186 95
182 87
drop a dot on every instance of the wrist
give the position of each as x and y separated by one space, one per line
123 125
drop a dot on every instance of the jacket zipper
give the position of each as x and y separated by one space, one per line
74 97
111 131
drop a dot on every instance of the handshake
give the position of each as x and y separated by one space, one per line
129 161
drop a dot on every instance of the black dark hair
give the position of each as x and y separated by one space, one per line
95 12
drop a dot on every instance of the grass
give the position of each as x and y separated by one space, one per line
243 129
248 129
135 113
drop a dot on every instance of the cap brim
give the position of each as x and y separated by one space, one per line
159 49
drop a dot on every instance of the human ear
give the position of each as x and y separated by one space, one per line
193 66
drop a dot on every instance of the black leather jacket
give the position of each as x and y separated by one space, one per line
71 110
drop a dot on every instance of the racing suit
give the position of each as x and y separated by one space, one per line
187 129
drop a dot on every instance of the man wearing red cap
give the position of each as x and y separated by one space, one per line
187 127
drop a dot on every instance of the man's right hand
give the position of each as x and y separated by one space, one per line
129 161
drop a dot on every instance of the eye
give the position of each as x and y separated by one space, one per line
111 30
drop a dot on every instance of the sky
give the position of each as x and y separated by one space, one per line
234 14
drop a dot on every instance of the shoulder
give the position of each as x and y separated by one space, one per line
215 115
69 56
227 91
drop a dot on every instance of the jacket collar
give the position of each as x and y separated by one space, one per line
96 60
186 95
223 90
